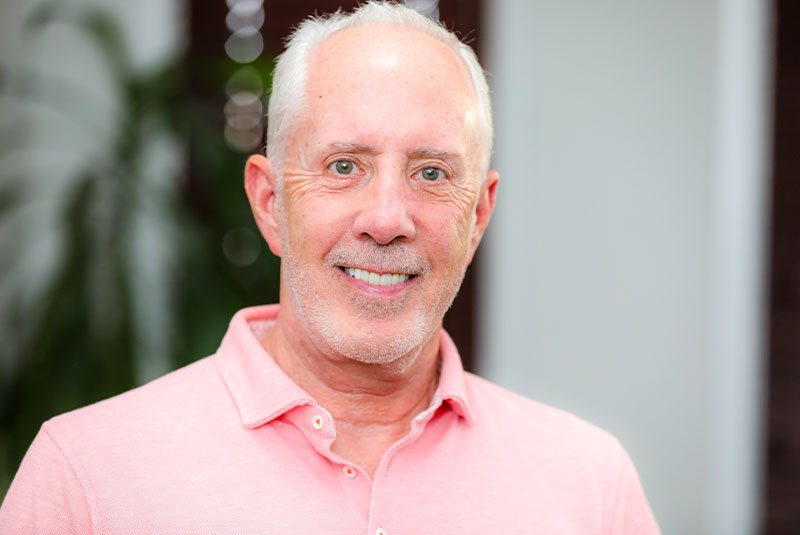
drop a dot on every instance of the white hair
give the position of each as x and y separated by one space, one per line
289 77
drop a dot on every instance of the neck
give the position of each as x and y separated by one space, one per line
372 404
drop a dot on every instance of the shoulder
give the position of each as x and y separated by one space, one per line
557 432
576 463
165 406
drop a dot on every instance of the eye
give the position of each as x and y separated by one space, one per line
343 167
431 174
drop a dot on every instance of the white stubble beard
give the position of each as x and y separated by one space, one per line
328 329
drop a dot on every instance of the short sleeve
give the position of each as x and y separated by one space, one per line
46 496
632 514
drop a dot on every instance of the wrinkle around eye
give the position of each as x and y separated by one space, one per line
460 195
299 184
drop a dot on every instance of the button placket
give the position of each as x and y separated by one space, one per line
357 490
317 426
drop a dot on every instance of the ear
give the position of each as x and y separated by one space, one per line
483 209
259 184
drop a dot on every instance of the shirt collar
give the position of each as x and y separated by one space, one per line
452 382
262 392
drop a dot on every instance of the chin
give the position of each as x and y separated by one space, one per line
367 343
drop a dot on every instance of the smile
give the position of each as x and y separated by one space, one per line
377 279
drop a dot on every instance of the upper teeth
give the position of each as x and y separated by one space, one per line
377 279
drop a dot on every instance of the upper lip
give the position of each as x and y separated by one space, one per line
379 271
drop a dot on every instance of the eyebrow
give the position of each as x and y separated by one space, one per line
431 153
414 154
355 147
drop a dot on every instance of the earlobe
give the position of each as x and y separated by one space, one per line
484 208
259 184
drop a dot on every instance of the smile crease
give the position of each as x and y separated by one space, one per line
376 279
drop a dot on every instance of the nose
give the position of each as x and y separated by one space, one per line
385 211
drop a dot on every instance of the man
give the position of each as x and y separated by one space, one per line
345 409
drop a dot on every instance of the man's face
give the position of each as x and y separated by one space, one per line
379 193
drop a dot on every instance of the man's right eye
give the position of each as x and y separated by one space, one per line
343 167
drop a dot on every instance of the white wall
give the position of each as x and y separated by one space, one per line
621 274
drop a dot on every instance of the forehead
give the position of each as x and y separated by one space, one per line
396 81
380 48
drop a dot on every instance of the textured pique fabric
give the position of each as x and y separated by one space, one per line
230 445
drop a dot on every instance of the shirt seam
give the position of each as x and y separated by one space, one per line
88 495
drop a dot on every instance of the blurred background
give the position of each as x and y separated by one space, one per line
642 269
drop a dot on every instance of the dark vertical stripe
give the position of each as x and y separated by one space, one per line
782 504
464 17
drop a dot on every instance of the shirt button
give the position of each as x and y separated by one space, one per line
349 471
317 422
380 531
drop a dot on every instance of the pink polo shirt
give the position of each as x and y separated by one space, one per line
230 445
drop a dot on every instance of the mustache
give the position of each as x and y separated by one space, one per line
393 257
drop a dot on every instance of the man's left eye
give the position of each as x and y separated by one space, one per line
344 167
431 173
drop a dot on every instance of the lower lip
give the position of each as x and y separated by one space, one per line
383 291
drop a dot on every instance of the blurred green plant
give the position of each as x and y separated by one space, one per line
79 339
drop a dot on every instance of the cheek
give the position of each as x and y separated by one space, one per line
450 210
446 230
316 224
